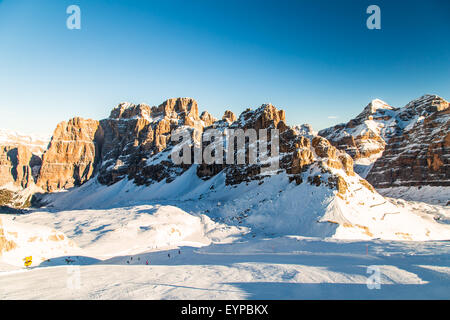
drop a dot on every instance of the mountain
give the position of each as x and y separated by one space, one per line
112 204
419 155
20 162
305 186
364 137
404 148
127 158
72 155
36 144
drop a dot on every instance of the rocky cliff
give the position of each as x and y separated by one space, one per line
72 156
18 167
407 146
20 159
364 137
135 143
419 154
397 146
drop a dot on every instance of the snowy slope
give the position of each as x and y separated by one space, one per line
131 230
273 206
278 268
236 243
21 240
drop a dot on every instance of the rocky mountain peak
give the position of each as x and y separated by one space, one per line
229 116
305 130
265 117
177 106
428 103
207 118
419 153
374 108
127 110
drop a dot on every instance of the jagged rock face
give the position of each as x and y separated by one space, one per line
207 118
265 117
36 144
72 155
297 153
132 147
422 107
20 159
363 138
305 130
381 127
420 154
16 166
133 134
229 116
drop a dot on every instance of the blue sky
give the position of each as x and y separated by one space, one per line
315 59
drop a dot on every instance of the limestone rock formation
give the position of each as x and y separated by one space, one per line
72 156
136 142
297 153
207 118
397 146
16 166
20 159
364 138
420 154
133 134
229 116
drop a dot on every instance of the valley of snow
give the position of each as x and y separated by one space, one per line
195 239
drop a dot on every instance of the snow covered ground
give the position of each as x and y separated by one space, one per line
429 194
278 268
195 239
160 251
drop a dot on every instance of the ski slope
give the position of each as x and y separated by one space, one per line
278 268
160 251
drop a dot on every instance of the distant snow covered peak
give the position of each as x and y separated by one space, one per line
36 142
380 103
305 130
375 107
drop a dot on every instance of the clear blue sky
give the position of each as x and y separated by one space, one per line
315 59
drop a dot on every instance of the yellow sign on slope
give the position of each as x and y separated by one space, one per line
28 261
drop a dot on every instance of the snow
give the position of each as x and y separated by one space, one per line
36 142
305 130
277 268
430 194
203 239
29 239
206 240
271 206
